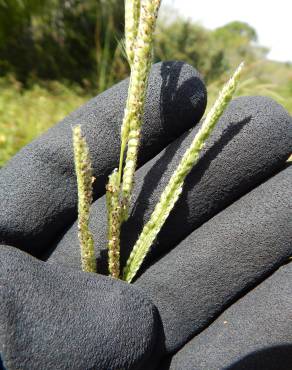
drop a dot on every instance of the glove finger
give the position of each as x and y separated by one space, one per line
38 186
221 260
250 143
255 333
58 318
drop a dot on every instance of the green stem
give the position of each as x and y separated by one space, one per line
174 188
140 68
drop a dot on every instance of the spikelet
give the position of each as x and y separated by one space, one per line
84 185
114 224
174 188
132 15
140 67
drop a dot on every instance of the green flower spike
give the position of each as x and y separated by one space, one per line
140 67
114 225
174 188
84 185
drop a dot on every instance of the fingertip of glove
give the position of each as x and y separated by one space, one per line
59 315
253 333
183 96
266 113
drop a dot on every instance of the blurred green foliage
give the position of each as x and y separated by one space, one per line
82 41
26 113
73 40
212 52
55 54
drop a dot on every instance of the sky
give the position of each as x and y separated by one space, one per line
271 19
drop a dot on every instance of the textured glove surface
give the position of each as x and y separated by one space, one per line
208 267
228 231
58 318
251 143
225 257
38 185
255 333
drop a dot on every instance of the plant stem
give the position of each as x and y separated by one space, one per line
83 170
140 21
114 225
132 16
140 67
174 188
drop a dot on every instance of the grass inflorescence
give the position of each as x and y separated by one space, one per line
140 21
174 188
85 179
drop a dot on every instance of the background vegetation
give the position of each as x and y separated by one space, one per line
56 54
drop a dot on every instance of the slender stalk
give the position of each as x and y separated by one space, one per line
174 188
140 67
140 20
132 18
84 185
114 225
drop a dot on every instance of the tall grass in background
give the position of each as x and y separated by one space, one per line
263 77
61 38
26 113
110 57
86 40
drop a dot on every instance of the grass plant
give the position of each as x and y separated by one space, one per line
27 112
140 21
85 179
174 188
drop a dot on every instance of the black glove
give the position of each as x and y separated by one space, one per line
252 334
192 273
38 187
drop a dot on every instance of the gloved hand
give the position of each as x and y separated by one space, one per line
213 248
252 334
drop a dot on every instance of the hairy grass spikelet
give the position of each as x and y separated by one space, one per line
83 170
174 188
132 16
140 67
114 224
